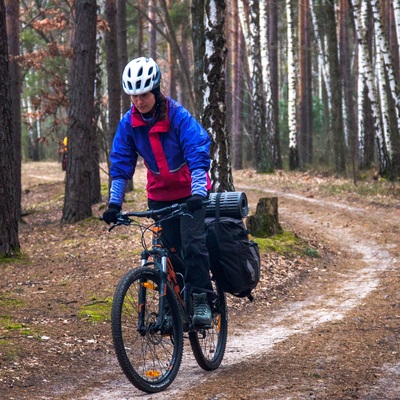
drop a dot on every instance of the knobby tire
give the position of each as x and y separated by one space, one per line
150 360
208 345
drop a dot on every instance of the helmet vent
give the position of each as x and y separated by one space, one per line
147 83
140 72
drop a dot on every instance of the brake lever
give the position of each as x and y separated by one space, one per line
122 220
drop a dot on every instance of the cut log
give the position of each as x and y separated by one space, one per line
265 221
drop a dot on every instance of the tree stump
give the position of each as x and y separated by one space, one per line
265 221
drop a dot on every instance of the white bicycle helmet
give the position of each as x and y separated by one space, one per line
141 75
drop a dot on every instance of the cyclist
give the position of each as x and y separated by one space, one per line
175 149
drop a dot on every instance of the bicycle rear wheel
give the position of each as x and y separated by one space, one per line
208 345
149 358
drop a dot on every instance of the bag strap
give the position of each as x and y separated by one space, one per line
218 206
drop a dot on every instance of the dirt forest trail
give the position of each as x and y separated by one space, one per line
335 337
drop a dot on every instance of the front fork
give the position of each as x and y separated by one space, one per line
161 267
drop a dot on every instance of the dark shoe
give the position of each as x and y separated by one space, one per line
201 310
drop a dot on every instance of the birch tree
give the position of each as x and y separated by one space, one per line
251 30
396 9
360 9
292 118
390 99
266 73
237 90
304 88
214 117
348 67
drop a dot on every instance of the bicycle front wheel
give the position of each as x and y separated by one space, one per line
149 357
208 345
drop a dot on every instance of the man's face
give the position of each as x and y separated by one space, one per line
144 102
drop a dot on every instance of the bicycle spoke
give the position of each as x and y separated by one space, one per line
148 356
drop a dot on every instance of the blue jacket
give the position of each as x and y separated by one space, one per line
175 152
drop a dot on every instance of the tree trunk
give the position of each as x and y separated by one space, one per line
184 74
262 150
198 7
122 50
348 78
214 112
113 77
140 28
339 146
391 91
9 241
273 61
361 18
122 61
305 93
265 221
152 48
292 120
78 192
266 79
237 91
12 13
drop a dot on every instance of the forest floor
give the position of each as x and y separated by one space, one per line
325 323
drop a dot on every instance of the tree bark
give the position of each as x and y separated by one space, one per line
292 120
273 61
265 221
113 77
9 241
237 91
198 7
214 117
12 14
183 70
339 147
122 49
304 87
78 192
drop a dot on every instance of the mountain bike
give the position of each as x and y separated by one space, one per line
152 310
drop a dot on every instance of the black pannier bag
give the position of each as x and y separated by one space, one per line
235 260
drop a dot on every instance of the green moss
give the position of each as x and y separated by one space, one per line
96 310
9 302
123 237
9 351
18 257
285 243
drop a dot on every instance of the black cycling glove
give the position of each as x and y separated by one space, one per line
110 215
195 202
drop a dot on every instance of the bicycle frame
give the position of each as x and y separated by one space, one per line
163 263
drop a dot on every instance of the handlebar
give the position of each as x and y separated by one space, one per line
175 210
155 213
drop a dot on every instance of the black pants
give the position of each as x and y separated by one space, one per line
188 237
